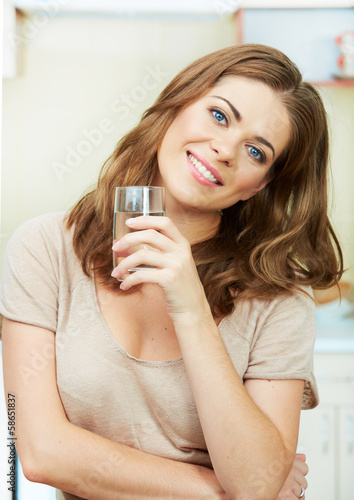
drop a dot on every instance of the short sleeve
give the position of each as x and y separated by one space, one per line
283 345
29 283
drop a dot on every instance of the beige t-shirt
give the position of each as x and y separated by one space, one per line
148 405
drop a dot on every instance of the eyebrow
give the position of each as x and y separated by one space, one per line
238 118
236 113
266 143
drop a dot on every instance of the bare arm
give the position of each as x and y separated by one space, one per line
251 430
248 428
55 452
296 480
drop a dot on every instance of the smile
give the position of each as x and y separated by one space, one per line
203 170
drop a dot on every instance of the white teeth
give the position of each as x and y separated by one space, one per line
203 170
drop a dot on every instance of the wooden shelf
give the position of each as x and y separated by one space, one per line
335 83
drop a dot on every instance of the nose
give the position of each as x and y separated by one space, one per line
223 151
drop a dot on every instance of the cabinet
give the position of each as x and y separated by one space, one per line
346 453
327 432
306 35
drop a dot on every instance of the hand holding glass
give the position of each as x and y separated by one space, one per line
134 201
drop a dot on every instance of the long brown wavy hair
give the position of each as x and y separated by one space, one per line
273 243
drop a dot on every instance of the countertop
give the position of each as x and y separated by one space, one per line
335 328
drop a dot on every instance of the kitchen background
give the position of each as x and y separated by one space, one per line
78 75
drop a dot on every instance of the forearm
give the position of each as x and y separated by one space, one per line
55 452
90 466
244 445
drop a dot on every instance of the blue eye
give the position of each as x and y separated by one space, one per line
257 154
254 152
219 116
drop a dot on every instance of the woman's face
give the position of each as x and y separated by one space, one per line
219 149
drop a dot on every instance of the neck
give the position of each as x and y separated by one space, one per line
195 226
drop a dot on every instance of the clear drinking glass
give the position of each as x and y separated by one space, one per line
133 201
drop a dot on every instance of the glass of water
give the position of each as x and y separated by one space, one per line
134 201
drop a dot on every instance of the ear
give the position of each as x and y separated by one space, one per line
257 188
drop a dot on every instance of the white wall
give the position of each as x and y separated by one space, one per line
340 109
73 74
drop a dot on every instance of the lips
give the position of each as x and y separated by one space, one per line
202 171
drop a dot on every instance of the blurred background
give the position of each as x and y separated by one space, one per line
78 74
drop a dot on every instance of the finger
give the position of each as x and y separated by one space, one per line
149 237
301 466
301 456
163 224
145 257
121 253
301 480
138 277
298 490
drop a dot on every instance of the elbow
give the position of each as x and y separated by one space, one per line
244 495
38 455
263 484
259 476
31 459
249 491
32 474
252 495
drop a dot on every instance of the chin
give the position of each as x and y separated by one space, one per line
192 198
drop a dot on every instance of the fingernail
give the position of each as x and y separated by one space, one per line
116 245
114 273
131 222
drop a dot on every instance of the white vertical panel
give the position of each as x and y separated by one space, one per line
317 440
346 457
5 494
1 65
9 66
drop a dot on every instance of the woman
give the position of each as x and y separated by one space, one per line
187 381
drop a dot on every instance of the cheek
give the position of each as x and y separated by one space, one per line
189 126
248 176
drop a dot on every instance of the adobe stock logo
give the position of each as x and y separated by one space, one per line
74 155
31 26
121 107
227 7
